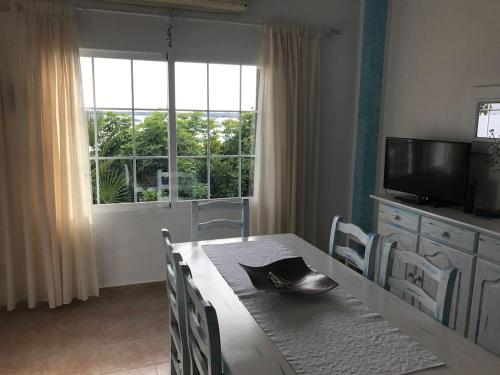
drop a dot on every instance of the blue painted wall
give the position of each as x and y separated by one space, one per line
370 96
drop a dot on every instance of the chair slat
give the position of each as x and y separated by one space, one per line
176 340
222 204
441 306
199 362
365 263
417 260
353 230
220 223
243 224
195 330
351 255
418 293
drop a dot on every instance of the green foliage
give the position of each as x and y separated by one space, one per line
115 138
114 184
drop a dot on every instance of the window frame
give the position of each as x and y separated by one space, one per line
478 95
171 110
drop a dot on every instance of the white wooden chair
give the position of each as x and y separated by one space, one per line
203 330
441 306
179 347
197 226
364 262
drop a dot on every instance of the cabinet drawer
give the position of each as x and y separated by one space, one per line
489 247
406 240
449 234
398 216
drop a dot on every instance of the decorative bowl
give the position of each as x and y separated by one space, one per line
289 275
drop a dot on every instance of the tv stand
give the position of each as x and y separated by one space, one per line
411 199
421 200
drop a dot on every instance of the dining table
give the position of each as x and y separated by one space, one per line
248 349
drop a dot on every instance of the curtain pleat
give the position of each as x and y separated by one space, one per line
46 238
287 133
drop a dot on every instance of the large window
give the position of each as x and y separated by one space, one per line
213 130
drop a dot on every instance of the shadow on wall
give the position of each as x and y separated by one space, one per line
488 182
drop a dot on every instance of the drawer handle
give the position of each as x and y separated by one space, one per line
397 217
445 234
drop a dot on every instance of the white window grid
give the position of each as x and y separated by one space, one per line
171 110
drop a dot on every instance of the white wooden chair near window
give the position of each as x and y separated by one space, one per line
440 307
341 247
197 207
179 349
203 330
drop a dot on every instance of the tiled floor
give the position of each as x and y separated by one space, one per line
125 331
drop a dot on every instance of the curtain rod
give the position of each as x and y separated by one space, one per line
331 31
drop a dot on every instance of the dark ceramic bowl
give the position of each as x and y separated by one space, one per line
289 275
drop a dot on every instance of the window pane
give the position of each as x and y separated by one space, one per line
114 133
89 115
116 181
224 87
248 88
94 184
247 168
191 133
224 133
113 87
151 133
88 90
494 124
192 175
191 86
482 125
248 120
150 84
224 177
152 180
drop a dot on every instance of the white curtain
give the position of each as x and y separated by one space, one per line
46 245
287 133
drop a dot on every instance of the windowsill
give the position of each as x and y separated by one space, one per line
151 206
485 140
130 207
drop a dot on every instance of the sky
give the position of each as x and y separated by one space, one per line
113 85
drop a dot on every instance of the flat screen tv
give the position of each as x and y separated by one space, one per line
432 170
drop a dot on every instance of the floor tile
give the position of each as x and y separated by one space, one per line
126 329
163 369
150 370
134 354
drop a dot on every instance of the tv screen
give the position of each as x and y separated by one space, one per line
436 170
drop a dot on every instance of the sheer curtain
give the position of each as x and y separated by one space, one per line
287 135
46 245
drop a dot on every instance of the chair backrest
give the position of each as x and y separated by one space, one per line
197 207
203 330
176 289
441 306
365 262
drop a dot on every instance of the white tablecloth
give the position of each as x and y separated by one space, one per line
332 333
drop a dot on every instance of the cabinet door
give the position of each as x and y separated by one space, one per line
444 256
484 327
406 241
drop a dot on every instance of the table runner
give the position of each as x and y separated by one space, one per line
332 333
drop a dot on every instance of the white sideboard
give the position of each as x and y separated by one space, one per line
449 237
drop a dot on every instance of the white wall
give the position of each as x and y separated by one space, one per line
437 50
128 244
